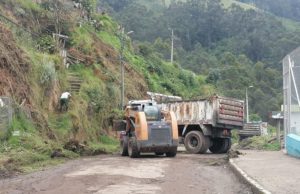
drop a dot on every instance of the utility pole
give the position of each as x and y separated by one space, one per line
122 40
247 104
172 47
122 68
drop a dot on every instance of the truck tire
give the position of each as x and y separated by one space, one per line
172 153
195 142
133 150
220 145
124 146
227 145
207 144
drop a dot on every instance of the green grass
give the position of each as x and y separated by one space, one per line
110 39
108 140
81 38
29 5
61 124
98 148
30 150
260 143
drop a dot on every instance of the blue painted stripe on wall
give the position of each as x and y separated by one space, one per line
293 145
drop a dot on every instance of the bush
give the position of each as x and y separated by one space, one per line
96 97
47 73
46 44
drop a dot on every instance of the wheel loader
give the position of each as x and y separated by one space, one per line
148 129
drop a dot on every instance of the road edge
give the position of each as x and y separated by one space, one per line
255 186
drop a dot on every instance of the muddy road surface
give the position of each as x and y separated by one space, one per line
122 175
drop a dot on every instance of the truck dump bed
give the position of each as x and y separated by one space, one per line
216 111
254 129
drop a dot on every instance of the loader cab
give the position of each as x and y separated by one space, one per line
152 113
149 107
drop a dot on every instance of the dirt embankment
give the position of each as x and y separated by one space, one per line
13 68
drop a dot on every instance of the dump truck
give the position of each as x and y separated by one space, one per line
148 129
253 129
207 124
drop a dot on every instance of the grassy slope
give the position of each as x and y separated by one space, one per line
31 149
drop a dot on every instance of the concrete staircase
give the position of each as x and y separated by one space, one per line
74 83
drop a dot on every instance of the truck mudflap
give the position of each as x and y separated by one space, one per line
230 112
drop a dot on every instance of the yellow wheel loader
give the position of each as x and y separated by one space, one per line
148 129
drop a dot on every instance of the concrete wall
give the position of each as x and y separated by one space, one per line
295 123
293 145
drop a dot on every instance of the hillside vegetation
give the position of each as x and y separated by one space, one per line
33 75
233 45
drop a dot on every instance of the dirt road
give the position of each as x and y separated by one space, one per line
122 175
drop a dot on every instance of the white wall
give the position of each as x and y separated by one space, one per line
295 122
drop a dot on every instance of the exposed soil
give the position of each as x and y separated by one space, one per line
13 68
148 175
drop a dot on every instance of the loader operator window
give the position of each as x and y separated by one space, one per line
152 113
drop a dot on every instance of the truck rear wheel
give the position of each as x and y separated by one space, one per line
124 146
172 152
227 146
220 145
133 150
195 142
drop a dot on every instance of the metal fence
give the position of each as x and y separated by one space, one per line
6 113
291 87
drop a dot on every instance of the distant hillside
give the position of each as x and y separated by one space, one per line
226 3
283 8
231 44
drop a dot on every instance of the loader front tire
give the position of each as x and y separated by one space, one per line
133 150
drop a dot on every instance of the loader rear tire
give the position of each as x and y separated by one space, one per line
195 142
172 153
124 146
133 150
